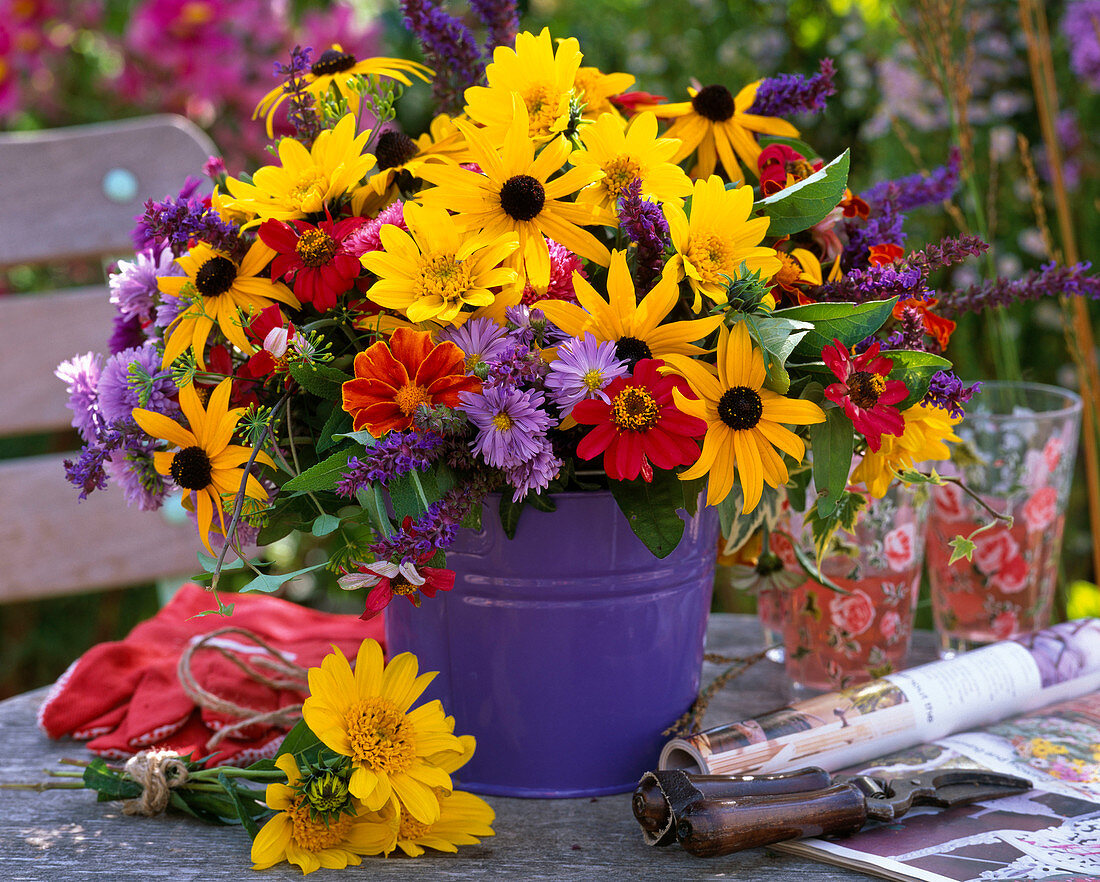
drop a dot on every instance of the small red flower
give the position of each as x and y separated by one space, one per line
936 326
633 102
853 206
272 335
780 165
639 426
882 255
864 392
388 580
313 258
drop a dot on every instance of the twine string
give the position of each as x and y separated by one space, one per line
158 772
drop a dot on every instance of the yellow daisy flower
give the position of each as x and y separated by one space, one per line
515 195
305 181
636 328
541 77
463 817
716 123
433 271
335 67
311 841
926 431
719 237
366 716
206 466
625 156
744 420
594 89
227 290
798 267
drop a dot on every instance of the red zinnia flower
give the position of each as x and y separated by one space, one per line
272 334
393 379
388 580
314 258
641 427
864 392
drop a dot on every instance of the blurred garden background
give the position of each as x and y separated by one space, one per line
913 79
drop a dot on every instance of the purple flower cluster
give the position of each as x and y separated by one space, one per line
947 252
501 19
645 225
1052 280
788 94
134 378
449 47
876 283
301 106
1080 24
883 227
433 531
397 454
916 190
948 392
176 221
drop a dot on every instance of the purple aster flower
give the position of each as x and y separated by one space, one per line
534 474
1080 27
787 94
127 333
134 378
916 190
398 453
509 423
515 365
81 376
947 392
132 468
481 339
583 368
134 286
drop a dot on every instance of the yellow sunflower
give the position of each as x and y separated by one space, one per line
744 421
309 840
515 195
717 240
433 271
463 817
625 156
396 152
926 431
594 89
305 181
716 123
635 327
227 290
335 67
541 77
206 466
366 716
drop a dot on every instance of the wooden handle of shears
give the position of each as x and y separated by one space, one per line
711 827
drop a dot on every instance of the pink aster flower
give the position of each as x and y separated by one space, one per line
388 580
367 239
864 392
563 263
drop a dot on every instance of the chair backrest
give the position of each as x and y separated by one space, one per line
67 194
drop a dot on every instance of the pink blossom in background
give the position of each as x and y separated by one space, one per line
951 504
890 623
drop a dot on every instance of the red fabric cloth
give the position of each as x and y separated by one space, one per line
125 695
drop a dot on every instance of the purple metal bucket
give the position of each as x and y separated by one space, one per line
565 651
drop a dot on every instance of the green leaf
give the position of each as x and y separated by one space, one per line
960 547
832 443
847 322
109 784
693 493
268 582
844 515
325 524
336 426
301 743
244 813
361 437
509 514
801 205
289 514
777 338
322 476
321 380
209 563
810 566
915 370
650 509
743 526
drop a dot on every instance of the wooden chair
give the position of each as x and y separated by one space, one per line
71 194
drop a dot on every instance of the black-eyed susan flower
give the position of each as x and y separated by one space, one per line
635 328
746 423
541 76
308 833
366 716
206 466
516 195
717 240
220 290
305 181
629 154
433 272
335 67
715 123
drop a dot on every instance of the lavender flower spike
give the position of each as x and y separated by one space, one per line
448 46
916 190
501 17
1052 280
787 94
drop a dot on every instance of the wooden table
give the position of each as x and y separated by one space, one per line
65 835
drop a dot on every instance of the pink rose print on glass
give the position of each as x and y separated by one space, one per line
950 503
852 613
993 548
899 545
1005 625
890 624
1041 509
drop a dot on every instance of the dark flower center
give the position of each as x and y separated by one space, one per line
332 62
713 102
634 410
740 408
394 149
315 248
864 388
191 468
522 197
216 276
402 586
632 350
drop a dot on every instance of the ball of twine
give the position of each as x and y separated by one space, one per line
158 772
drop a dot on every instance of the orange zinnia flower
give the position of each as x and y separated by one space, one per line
393 379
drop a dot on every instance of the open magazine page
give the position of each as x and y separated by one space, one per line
1051 833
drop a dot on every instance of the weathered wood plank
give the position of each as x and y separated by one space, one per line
67 835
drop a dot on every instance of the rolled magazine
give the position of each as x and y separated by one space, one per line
846 728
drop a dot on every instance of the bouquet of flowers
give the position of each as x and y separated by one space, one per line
565 285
